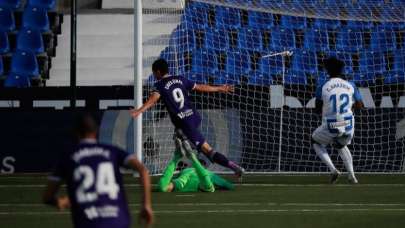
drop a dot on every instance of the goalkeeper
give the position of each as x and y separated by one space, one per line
193 179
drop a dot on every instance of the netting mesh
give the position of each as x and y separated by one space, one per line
272 52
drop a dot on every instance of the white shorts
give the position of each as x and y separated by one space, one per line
323 136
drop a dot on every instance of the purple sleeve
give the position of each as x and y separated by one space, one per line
189 84
60 171
122 156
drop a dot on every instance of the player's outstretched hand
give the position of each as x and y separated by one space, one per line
63 203
227 89
134 113
146 216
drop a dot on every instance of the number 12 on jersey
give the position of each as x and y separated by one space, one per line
343 100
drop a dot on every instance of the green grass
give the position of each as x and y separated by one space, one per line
260 201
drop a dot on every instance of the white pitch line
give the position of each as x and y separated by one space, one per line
237 211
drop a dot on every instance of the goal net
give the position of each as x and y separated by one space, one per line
272 52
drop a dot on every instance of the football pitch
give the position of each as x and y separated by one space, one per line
259 201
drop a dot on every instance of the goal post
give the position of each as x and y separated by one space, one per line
272 52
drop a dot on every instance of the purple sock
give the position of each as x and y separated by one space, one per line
220 159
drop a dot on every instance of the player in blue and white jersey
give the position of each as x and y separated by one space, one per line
335 100
173 90
94 183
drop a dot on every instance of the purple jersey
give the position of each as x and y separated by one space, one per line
174 93
94 185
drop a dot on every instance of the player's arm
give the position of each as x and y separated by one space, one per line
213 89
50 196
146 212
152 100
358 100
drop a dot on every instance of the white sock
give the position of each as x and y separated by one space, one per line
324 156
346 156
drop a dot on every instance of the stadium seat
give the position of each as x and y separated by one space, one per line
257 78
304 61
195 17
4 43
227 17
372 62
17 81
184 39
250 39
397 73
11 4
45 4
260 20
203 62
326 24
197 78
271 65
7 21
25 63
283 39
1 66
383 40
30 39
295 78
293 22
216 39
36 18
321 77
316 40
357 25
226 78
237 63
349 40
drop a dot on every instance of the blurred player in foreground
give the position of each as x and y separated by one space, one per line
174 92
192 179
95 187
335 100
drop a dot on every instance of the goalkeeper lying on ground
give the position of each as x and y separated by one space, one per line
193 179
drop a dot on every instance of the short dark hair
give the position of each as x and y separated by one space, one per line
334 66
85 124
160 65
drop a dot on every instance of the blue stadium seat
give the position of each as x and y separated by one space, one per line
197 78
7 21
17 81
36 18
382 39
4 43
195 17
304 61
364 79
256 78
293 22
216 39
260 20
283 39
397 73
326 24
12 4
227 17
339 3
271 65
226 78
237 63
349 40
357 25
30 39
1 66
321 77
25 63
250 39
203 62
295 78
372 62
316 40
46 4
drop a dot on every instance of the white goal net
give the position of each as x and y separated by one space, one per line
272 52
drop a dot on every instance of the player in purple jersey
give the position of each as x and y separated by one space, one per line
95 188
174 92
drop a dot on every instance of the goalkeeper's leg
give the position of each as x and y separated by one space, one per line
346 156
205 179
320 138
165 182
